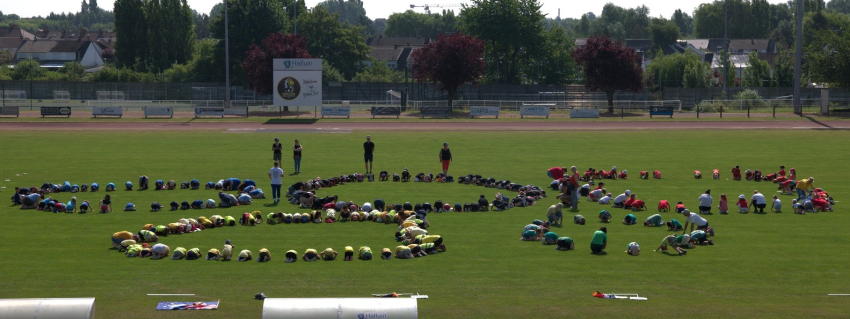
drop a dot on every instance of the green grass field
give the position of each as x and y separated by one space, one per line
771 265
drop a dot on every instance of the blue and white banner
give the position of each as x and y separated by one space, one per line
336 111
209 111
107 111
484 111
534 111
584 113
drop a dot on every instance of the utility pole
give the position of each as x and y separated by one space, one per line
226 59
798 58
726 58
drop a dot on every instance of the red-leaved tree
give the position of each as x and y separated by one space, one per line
609 66
259 59
450 61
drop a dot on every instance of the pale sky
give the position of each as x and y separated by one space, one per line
383 8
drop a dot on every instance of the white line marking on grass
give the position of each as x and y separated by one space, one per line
171 294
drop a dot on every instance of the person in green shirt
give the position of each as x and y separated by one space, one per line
230 221
701 237
565 243
684 240
599 241
670 240
604 216
579 219
630 219
550 238
654 221
674 225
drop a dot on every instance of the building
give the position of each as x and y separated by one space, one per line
395 52
53 54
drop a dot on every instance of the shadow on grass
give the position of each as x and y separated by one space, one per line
291 121
272 204
599 253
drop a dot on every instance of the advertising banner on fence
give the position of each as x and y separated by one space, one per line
106 111
238 111
297 82
484 111
9 110
56 111
159 111
336 111
584 113
209 111
534 111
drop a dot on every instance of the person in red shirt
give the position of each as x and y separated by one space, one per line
574 179
736 173
623 175
697 174
781 170
644 175
663 206
629 202
656 174
680 207
715 173
601 185
600 174
638 204
780 179
556 172
588 174
612 174
787 186
792 174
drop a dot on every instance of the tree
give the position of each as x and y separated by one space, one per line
341 44
73 71
684 22
556 66
330 74
670 70
609 66
829 59
351 12
757 73
413 24
663 33
27 70
512 31
783 69
379 72
259 59
725 66
250 22
131 25
840 6
450 61
697 74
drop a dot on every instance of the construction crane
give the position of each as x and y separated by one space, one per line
429 6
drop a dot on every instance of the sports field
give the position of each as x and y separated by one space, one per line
762 265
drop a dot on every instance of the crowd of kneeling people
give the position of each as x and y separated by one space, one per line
414 240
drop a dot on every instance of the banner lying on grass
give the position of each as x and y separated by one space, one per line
183 305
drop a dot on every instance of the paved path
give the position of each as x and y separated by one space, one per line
330 127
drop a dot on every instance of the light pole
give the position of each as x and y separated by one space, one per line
798 58
226 59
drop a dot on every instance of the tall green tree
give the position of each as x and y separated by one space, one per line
669 70
342 45
351 12
73 71
684 21
663 33
840 6
783 69
130 23
556 65
697 74
512 31
757 73
28 70
378 72
250 21
414 24
829 59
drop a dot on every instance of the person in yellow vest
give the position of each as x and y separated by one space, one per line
329 254
310 255
403 252
119 237
179 253
245 255
213 254
264 255
349 253
365 253
386 254
291 256
126 244
134 250
193 254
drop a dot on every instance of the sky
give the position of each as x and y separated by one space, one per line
383 8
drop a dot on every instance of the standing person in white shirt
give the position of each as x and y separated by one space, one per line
621 199
695 220
276 175
758 201
705 202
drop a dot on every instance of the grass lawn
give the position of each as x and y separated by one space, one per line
770 265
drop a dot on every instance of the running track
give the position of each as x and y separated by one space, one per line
342 127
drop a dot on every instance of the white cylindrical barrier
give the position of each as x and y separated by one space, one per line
342 308
47 308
